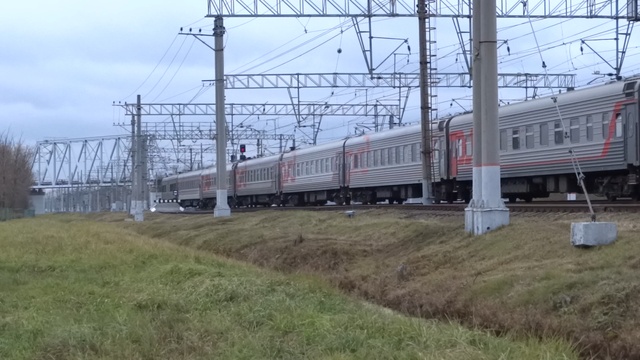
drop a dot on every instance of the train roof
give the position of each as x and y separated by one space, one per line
395 132
265 160
580 95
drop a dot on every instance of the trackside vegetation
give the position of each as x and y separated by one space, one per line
525 279
71 288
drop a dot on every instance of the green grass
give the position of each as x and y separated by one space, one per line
76 289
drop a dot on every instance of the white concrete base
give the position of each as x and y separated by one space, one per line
37 203
222 208
427 198
479 220
138 215
587 234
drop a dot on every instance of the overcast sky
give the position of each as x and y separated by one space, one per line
63 63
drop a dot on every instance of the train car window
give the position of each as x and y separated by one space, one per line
407 153
469 146
355 162
298 169
605 126
557 133
399 154
574 130
589 128
327 165
383 157
317 166
544 134
415 152
392 156
618 125
515 139
529 137
503 140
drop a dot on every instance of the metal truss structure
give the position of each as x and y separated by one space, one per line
588 9
195 131
391 80
100 161
201 109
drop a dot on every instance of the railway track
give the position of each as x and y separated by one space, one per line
540 206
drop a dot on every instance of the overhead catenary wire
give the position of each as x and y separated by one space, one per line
153 70
176 72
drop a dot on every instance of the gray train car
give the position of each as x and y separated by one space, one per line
311 175
384 166
599 125
208 184
255 181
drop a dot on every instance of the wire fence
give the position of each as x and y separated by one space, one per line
11 214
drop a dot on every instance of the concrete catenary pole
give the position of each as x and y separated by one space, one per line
139 208
222 207
486 211
425 105
132 201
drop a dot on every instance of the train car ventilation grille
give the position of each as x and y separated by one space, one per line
629 88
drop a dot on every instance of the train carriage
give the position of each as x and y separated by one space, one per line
384 166
599 125
311 175
208 185
255 181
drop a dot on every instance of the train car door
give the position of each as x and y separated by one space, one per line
629 118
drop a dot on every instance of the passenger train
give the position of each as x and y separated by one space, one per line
599 123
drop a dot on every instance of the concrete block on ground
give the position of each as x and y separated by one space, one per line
167 207
587 234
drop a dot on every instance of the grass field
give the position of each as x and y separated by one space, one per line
71 288
524 279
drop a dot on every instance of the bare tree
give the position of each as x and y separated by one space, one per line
15 173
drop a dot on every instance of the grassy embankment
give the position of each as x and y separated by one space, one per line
72 288
524 279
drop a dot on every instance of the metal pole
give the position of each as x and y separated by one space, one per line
425 106
132 203
138 216
222 207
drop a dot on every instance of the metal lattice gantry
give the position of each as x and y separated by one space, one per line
392 80
201 109
100 161
196 131
591 9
